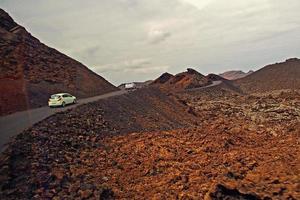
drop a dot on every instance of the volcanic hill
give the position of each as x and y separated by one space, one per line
235 74
30 71
185 80
285 75
165 77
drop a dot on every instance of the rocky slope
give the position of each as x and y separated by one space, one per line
285 75
30 71
235 74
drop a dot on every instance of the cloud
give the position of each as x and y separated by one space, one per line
88 53
138 39
157 36
200 4
140 65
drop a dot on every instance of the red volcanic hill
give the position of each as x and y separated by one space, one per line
235 74
285 75
30 71
185 80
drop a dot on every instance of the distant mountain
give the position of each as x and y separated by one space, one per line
30 71
235 74
285 75
215 77
185 80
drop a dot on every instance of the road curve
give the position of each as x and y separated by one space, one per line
15 123
214 83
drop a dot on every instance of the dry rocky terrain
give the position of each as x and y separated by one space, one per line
208 144
276 111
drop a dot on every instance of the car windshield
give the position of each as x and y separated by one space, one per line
55 96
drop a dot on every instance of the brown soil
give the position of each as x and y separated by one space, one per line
33 71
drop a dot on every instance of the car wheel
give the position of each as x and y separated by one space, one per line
74 101
63 104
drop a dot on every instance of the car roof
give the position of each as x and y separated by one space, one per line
60 94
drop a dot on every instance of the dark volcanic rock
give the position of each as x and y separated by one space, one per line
6 22
222 192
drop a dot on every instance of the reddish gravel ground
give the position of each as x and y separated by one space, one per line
147 145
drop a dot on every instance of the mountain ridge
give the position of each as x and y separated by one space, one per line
235 74
277 76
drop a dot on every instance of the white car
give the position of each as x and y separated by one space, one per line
61 99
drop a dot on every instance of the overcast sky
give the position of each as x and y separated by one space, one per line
136 40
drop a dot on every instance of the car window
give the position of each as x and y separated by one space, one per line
54 96
65 95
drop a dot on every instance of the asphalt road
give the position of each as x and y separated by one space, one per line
214 83
13 124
